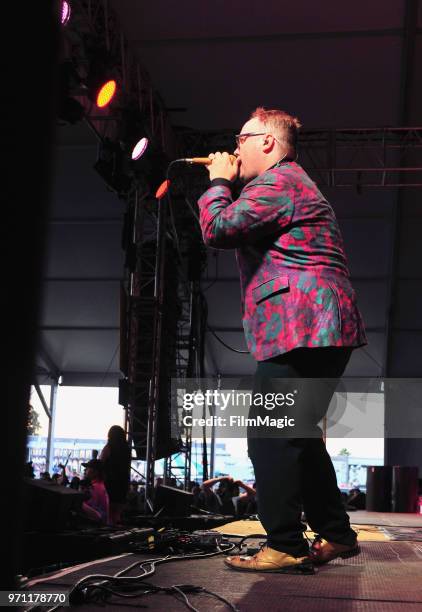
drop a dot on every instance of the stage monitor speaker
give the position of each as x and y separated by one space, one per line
172 501
48 505
405 489
378 488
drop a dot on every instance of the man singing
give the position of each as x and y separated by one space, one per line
300 320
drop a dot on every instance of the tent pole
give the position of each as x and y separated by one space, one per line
51 425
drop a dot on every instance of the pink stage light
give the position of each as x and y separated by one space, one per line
66 10
139 148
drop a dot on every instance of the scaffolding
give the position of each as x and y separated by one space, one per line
385 157
157 340
94 33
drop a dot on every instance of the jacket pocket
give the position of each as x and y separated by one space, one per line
271 287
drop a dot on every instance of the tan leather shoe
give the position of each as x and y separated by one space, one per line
270 560
323 551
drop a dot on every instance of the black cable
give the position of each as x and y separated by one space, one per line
223 599
181 589
224 344
186 600
258 536
175 161
173 224
193 211
177 247
216 274
195 215
110 364
126 581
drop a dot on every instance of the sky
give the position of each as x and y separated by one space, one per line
82 412
357 447
89 412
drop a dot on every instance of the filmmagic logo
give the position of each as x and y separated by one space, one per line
223 399
238 421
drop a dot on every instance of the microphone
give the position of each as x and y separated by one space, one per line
204 161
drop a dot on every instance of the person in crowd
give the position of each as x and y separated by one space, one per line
356 500
45 476
74 483
84 487
94 454
208 500
141 498
220 501
97 506
116 456
63 479
29 470
245 503
134 502
195 489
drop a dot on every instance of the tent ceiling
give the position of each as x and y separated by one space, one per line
79 331
330 65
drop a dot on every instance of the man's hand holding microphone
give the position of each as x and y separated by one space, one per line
223 165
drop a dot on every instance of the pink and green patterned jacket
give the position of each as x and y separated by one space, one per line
294 279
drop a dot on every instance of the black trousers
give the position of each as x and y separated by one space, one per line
296 472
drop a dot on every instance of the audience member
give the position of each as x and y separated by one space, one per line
63 479
134 499
195 489
29 470
75 482
220 501
245 503
96 506
116 456
356 500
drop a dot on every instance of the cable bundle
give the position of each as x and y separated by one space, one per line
99 588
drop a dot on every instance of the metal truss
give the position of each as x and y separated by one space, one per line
363 157
93 31
178 466
359 157
144 340
156 345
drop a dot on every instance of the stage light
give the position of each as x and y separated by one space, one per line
162 190
139 149
106 93
101 82
65 12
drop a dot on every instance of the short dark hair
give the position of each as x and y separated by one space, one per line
284 125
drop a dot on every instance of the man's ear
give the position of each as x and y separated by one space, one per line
268 142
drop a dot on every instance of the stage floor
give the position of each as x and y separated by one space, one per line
386 576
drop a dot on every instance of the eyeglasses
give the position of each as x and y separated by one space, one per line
240 138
